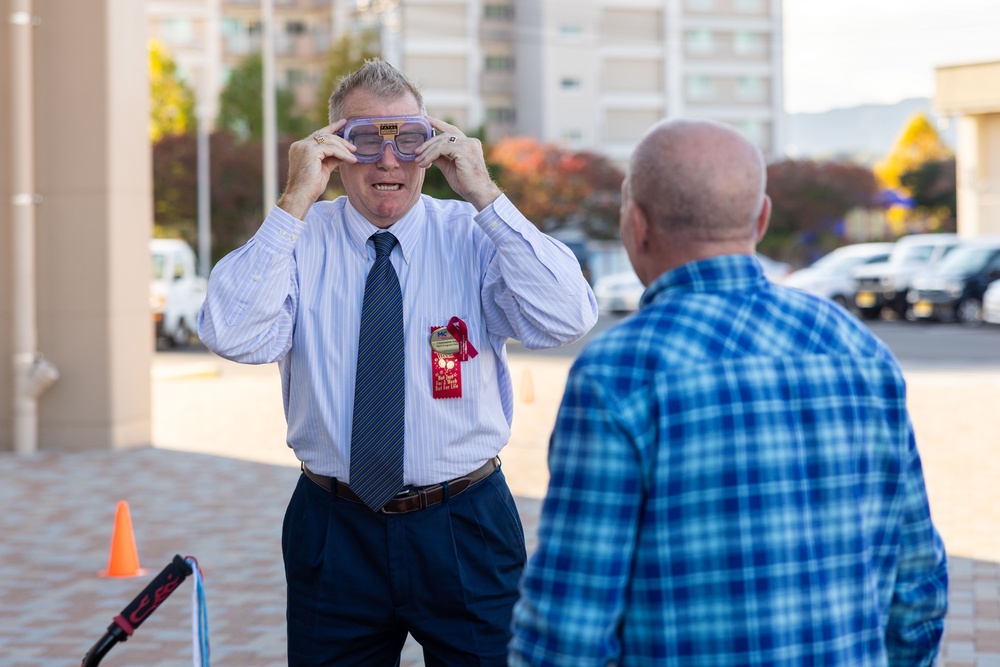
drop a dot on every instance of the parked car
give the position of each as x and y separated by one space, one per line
885 285
774 270
620 293
831 276
991 303
176 292
953 288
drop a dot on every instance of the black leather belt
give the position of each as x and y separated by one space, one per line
408 500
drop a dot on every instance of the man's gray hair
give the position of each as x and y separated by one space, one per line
378 78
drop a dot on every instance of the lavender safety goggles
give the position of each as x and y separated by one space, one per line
405 134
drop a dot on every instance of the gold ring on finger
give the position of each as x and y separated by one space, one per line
319 138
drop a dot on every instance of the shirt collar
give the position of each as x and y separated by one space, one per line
725 273
407 229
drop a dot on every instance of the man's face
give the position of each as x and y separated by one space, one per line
386 190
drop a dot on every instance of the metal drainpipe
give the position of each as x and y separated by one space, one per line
32 373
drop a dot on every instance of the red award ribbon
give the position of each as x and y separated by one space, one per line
458 329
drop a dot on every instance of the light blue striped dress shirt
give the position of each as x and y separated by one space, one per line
293 295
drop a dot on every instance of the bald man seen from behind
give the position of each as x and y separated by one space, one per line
734 475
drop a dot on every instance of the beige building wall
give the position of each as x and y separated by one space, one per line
92 170
971 93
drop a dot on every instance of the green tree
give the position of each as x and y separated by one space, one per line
171 108
241 110
348 54
933 187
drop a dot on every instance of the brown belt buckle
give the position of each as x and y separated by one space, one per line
418 493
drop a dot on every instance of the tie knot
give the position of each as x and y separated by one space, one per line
383 243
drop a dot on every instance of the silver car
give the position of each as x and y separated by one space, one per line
831 276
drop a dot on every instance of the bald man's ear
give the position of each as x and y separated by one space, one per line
763 218
638 227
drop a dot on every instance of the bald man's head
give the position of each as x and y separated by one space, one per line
698 180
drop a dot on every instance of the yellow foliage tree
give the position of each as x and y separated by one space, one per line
171 108
918 143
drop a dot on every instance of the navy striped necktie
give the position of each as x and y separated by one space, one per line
379 390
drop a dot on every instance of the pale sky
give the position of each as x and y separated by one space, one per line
843 53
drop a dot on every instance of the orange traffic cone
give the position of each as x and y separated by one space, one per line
124 558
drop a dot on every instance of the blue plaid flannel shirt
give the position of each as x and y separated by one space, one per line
734 481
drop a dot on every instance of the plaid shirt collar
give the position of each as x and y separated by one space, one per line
725 273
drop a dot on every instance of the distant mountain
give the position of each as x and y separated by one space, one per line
864 134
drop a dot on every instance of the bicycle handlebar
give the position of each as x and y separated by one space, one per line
139 609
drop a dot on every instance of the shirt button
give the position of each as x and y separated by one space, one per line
256 277
281 232
494 225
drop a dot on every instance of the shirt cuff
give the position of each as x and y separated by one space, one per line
501 219
280 231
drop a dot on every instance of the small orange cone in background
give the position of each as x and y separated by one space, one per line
527 387
124 558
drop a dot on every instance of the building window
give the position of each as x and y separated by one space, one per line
570 31
573 136
570 83
748 44
700 42
700 5
700 88
498 12
750 89
178 31
748 6
754 130
500 115
296 76
295 28
499 63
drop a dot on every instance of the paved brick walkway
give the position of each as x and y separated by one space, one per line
217 482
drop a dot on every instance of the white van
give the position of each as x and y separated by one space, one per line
176 292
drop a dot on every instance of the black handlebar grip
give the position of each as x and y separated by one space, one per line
151 597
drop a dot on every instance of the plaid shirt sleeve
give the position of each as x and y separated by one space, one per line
920 595
574 587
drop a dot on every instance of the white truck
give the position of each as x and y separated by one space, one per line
176 291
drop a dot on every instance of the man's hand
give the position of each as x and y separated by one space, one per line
310 163
461 159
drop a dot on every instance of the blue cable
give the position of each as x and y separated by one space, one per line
199 617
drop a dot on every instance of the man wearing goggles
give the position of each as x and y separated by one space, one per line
388 312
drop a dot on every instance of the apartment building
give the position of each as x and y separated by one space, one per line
588 74
595 74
